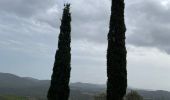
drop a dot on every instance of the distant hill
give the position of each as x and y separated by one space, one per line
29 87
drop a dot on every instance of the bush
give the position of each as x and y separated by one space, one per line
133 95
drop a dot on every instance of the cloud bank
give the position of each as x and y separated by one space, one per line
29 33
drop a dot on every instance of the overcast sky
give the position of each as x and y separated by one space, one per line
29 35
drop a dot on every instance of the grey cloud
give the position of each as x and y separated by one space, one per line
90 20
149 25
23 35
147 21
42 11
25 8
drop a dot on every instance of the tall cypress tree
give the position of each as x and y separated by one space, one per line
116 53
59 89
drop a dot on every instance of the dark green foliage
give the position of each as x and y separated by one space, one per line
133 95
59 89
116 53
101 96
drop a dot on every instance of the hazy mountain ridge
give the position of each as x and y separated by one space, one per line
26 86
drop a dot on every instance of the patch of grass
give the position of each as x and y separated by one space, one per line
12 97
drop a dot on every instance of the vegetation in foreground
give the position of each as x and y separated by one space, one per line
133 95
12 97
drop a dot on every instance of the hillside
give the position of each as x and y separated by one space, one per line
29 87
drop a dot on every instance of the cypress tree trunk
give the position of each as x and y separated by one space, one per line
59 89
116 53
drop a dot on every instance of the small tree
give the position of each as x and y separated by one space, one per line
133 95
59 89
